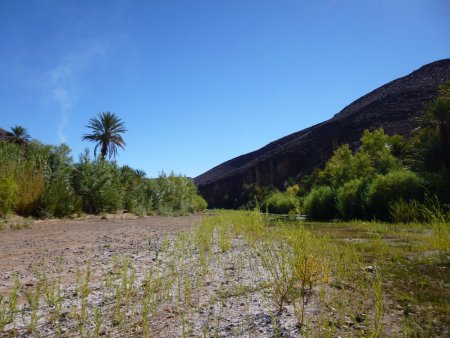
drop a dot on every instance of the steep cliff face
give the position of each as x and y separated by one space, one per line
396 107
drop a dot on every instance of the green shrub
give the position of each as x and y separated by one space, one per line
320 203
134 186
198 204
173 195
59 198
8 195
402 211
281 203
351 201
23 167
385 189
98 183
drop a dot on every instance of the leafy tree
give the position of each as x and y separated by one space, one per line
107 129
377 145
19 135
344 167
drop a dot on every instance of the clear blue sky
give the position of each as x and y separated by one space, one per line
200 82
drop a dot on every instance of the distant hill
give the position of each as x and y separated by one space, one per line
396 106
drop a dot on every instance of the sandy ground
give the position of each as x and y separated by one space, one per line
69 244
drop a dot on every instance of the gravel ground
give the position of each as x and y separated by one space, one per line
217 295
76 241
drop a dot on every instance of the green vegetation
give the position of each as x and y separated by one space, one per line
388 178
43 181
319 203
312 279
174 195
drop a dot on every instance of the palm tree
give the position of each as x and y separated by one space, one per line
438 118
106 132
19 135
439 112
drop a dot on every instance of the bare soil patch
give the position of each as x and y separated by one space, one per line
71 243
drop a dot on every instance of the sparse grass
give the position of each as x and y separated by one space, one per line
278 279
25 223
346 279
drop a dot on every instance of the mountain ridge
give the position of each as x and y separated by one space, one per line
395 106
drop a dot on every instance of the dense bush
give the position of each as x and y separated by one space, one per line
42 180
8 195
385 189
59 198
134 190
174 195
98 183
320 203
282 203
22 176
198 204
375 181
351 200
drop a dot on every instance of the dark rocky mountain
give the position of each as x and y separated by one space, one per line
396 107
5 135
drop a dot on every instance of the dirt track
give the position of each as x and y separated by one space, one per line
70 244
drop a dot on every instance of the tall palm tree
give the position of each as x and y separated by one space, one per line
19 135
106 132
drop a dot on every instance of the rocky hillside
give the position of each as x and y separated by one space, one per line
396 106
4 135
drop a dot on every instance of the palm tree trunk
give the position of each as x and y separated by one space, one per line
104 150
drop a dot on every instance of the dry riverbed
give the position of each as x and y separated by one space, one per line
193 276
68 244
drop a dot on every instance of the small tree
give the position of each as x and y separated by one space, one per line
377 145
